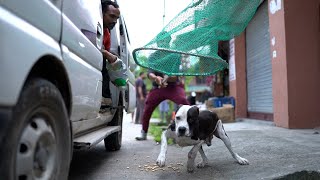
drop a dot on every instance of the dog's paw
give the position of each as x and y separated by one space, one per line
190 169
190 165
202 164
161 161
242 161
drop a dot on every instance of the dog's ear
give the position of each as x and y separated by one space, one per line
193 113
195 131
193 121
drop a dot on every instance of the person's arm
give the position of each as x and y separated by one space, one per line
155 78
111 58
139 84
140 93
159 79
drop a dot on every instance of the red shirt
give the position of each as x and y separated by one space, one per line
106 39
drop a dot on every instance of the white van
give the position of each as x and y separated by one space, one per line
51 83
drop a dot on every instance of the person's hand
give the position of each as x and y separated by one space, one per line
104 53
111 58
141 98
159 80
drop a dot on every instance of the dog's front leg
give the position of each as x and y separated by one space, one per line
161 161
220 133
192 156
204 161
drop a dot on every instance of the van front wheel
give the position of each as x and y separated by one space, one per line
38 139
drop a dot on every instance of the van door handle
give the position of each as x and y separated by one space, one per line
99 30
99 36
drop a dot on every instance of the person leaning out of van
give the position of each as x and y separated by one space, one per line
113 68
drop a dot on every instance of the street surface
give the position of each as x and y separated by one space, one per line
271 151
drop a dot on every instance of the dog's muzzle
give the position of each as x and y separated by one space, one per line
182 131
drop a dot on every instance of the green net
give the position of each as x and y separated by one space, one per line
188 44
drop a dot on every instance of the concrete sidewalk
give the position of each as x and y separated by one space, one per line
272 151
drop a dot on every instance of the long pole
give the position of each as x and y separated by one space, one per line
164 12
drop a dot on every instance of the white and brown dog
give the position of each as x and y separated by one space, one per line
194 128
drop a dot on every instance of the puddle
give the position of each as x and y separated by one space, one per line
301 175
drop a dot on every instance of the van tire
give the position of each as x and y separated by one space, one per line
38 142
113 141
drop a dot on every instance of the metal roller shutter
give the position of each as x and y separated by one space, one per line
259 69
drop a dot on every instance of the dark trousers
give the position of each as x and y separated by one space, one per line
139 111
173 93
105 81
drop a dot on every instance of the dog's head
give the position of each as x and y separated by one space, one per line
186 121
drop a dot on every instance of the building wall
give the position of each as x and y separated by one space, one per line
295 51
294 37
279 65
302 30
238 87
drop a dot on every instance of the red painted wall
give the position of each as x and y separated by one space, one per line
238 87
295 30
302 26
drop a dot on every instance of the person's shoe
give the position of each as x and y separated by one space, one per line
142 137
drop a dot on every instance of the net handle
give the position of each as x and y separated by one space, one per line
167 50
174 74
